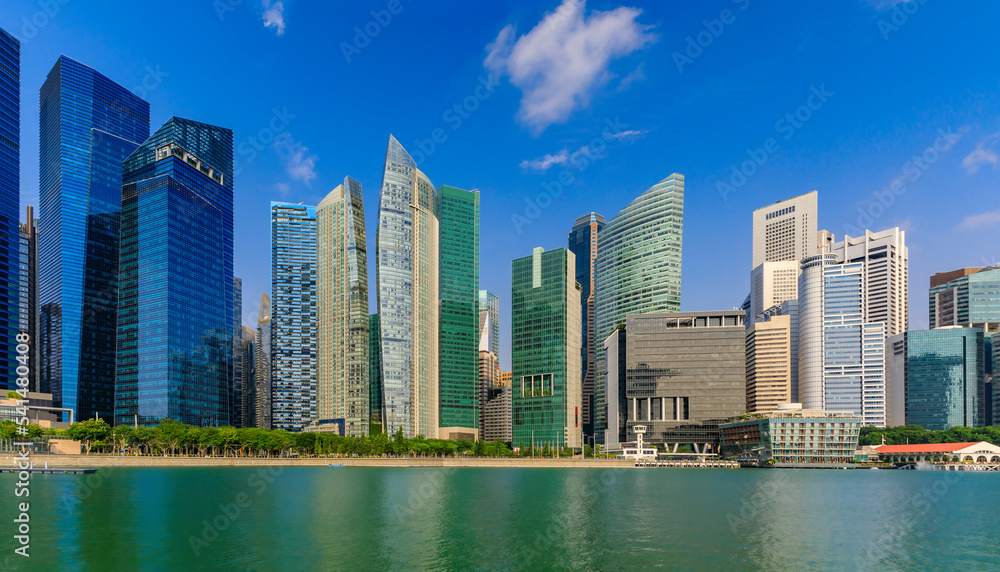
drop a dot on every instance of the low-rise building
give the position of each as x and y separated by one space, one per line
977 453
792 436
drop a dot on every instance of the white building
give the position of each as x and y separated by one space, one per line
886 268
785 230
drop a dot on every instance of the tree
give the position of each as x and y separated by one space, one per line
170 433
90 432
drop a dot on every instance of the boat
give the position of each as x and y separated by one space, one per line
337 465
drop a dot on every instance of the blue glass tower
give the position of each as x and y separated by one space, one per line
175 319
88 125
10 195
293 315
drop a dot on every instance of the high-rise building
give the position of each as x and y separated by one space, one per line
489 305
583 243
638 269
247 396
175 340
943 376
769 364
786 230
458 217
685 374
771 284
88 126
615 374
886 270
810 313
342 310
236 387
545 350
408 296
968 297
263 418
293 315
28 318
375 402
10 197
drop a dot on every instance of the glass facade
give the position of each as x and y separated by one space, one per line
545 350
342 310
489 304
10 197
88 125
458 218
236 387
786 439
293 315
28 291
583 243
262 368
946 378
175 319
249 357
638 269
407 276
374 371
973 299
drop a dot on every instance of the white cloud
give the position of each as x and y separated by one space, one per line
630 135
981 220
565 58
274 16
983 154
543 164
627 81
299 162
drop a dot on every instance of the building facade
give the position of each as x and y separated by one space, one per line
545 350
293 315
10 200
793 436
342 310
458 217
615 374
769 364
247 382
375 402
408 296
786 230
175 340
810 312
968 297
489 306
885 261
88 126
638 269
263 418
28 291
771 284
236 387
583 243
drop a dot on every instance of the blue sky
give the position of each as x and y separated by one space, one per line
610 96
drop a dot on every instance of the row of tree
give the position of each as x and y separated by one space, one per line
917 435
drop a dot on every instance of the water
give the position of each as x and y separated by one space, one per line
507 519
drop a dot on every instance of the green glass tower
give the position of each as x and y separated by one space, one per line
545 350
458 345
374 374
638 270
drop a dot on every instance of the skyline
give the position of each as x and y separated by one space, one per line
655 116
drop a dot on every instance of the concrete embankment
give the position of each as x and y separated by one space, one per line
112 461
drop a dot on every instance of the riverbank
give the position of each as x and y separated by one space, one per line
510 462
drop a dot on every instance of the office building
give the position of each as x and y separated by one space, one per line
943 376
771 284
408 296
583 243
375 403
458 219
968 297
88 126
810 313
293 315
175 341
236 387
28 292
685 374
638 269
793 436
489 305
10 200
769 364
786 230
545 350
342 310
886 275
263 418
249 357
614 376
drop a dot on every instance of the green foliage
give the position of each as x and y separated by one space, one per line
13 395
917 435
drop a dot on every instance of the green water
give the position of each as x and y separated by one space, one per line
507 519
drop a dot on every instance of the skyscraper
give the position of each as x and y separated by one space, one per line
886 275
247 396
810 314
293 315
786 230
408 299
10 197
966 297
236 387
545 350
29 293
263 417
375 403
638 269
175 323
489 305
769 364
583 243
88 125
342 310
458 219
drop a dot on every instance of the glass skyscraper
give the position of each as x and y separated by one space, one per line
236 387
945 378
583 243
966 297
29 292
407 276
88 125
10 197
175 322
458 216
545 350
293 315
342 310
262 367
638 270
374 371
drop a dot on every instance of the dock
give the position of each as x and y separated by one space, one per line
707 464
50 470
